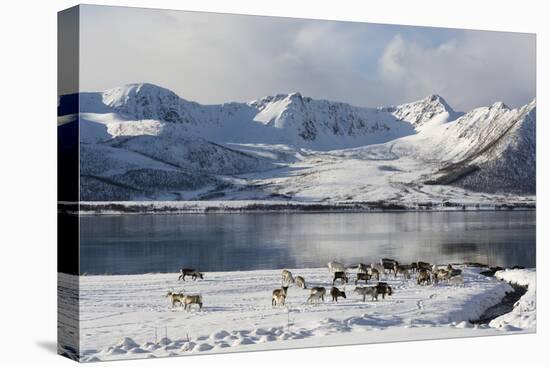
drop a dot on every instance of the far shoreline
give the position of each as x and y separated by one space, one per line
282 207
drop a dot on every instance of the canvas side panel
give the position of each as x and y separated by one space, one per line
68 332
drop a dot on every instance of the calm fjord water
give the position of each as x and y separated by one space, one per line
133 244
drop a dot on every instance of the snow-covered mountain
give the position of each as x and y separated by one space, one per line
501 154
430 108
282 119
142 141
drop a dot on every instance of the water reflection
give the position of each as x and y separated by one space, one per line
221 242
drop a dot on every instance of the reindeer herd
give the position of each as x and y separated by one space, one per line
426 274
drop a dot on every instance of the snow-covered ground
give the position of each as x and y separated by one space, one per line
524 314
128 316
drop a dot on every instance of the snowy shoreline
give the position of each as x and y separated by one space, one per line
128 316
524 314
251 206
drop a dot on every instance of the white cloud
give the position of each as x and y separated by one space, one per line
477 69
214 58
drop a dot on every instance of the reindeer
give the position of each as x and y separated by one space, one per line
383 289
424 277
194 274
175 298
401 269
388 264
334 266
278 300
300 282
362 268
378 268
340 275
364 291
362 276
278 296
421 265
453 272
335 293
441 274
374 273
316 294
185 300
287 277
192 299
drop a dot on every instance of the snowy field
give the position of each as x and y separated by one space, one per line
128 316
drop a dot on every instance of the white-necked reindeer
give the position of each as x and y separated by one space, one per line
175 298
335 266
300 282
316 294
185 300
278 296
287 277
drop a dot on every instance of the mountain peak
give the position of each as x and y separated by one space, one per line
146 101
137 89
500 106
424 110
295 95
437 100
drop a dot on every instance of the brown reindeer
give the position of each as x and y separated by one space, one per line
424 277
340 275
335 293
421 265
401 269
362 276
383 289
388 264
194 274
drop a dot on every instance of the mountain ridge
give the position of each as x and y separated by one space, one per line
263 148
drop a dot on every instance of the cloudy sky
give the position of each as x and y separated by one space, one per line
215 58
